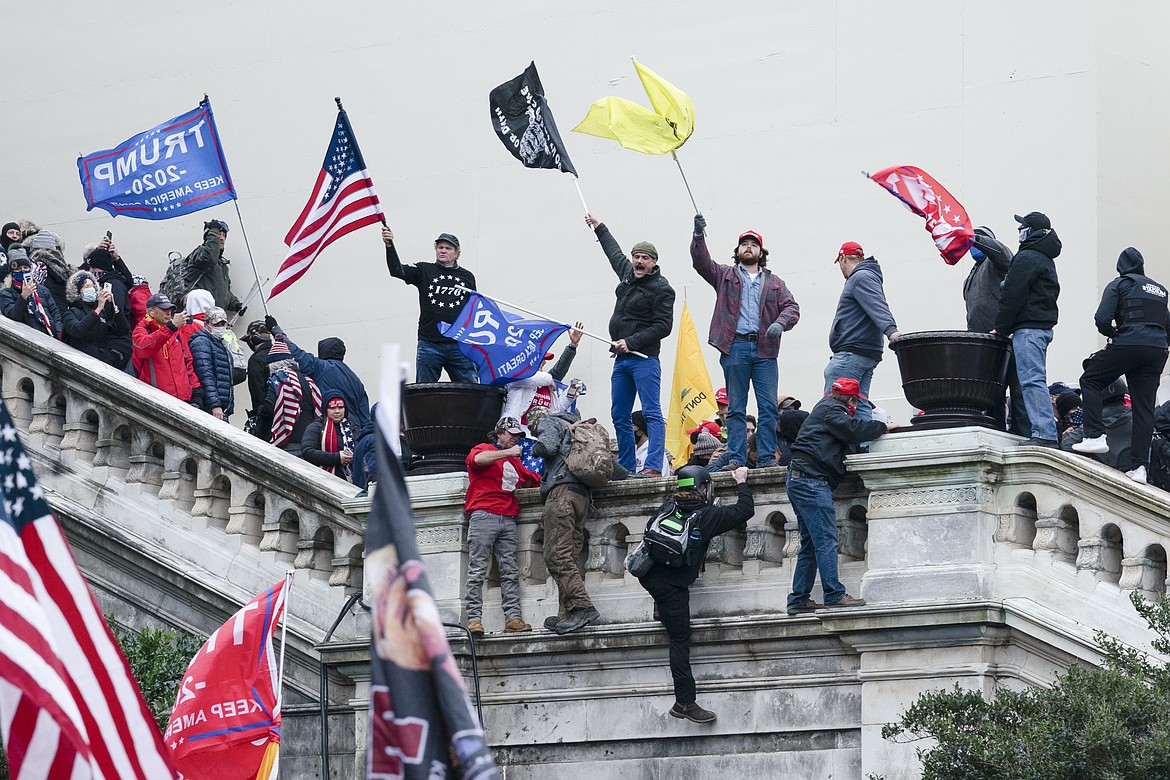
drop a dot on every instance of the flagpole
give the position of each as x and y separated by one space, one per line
248 246
288 580
580 195
685 182
340 109
603 339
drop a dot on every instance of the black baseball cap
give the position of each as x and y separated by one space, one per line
1035 220
449 238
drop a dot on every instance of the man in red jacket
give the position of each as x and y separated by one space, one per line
495 471
159 356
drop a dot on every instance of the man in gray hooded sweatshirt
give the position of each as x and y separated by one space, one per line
1134 316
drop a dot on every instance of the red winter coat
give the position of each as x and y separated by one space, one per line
139 295
161 359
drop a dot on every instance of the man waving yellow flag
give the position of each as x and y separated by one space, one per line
692 399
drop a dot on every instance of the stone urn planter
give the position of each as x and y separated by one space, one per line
954 376
442 421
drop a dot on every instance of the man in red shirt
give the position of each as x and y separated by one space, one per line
495 471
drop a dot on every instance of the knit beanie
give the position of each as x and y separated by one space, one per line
647 248
46 240
706 444
279 351
101 260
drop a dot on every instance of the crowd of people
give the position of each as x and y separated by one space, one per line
179 339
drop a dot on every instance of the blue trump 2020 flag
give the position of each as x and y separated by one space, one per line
503 345
170 170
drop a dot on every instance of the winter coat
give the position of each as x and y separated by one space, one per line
258 376
365 456
1133 310
438 300
56 272
311 446
776 302
215 276
21 309
863 316
213 366
713 521
552 443
644 312
1031 287
332 375
105 336
305 415
139 294
828 434
983 286
160 359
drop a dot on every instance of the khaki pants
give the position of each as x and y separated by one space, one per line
564 533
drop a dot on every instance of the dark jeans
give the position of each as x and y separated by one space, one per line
812 501
432 357
1142 367
674 612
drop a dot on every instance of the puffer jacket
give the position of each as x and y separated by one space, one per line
14 307
213 366
644 312
1031 287
105 336
214 271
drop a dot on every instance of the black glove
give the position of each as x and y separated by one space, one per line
700 225
270 323
241 310
197 398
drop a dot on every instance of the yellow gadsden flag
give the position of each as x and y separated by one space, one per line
636 127
692 399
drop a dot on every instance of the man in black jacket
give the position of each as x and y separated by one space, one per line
259 340
831 431
669 586
1133 314
981 292
1027 314
439 300
642 318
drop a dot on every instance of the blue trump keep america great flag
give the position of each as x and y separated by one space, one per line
503 345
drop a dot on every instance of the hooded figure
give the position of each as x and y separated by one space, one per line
1134 315
21 300
329 440
93 324
213 365
292 403
330 372
981 289
47 255
214 268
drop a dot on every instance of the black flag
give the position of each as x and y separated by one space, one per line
523 121
422 725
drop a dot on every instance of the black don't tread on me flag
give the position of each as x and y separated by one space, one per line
524 123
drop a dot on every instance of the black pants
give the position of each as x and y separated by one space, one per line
1018 422
1142 367
674 612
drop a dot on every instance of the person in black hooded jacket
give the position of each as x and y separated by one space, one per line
329 371
93 324
1027 314
670 586
1133 314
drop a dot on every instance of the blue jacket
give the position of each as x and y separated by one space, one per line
862 314
332 374
15 308
213 366
365 455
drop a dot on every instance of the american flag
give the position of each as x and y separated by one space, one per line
69 707
343 200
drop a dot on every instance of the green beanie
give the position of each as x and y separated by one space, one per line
646 247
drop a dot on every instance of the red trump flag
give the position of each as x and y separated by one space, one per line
946 219
226 721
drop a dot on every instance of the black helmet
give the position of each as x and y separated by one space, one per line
698 479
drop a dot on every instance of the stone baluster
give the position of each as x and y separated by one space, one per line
1056 535
1145 574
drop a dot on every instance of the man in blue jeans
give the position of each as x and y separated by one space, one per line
753 309
862 318
1027 314
642 318
833 429
440 299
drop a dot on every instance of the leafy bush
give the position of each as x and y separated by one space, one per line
158 658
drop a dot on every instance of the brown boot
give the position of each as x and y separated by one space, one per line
475 627
846 601
516 625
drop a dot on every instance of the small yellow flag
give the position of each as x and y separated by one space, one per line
633 126
692 398
669 102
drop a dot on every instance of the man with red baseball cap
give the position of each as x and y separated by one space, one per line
753 309
862 318
834 428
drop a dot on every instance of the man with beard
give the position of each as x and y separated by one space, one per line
439 301
753 309
642 317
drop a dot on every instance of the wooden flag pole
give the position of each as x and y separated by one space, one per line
603 339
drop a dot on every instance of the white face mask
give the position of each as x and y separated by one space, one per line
217 330
89 294
1024 231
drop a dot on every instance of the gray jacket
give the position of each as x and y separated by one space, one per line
862 313
553 441
981 290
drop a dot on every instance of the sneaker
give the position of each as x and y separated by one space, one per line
805 607
731 467
516 625
1138 474
1095 446
692 712
475 627
847 601
1049 443
577 619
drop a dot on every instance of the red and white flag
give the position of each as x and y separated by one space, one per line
946 219
343 200
226 720
69 707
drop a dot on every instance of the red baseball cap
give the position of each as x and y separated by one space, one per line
710 426
549 355
846 386
752 235
721 395
850 248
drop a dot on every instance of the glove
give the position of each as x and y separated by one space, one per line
700 225
774 331
240 312
270 323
